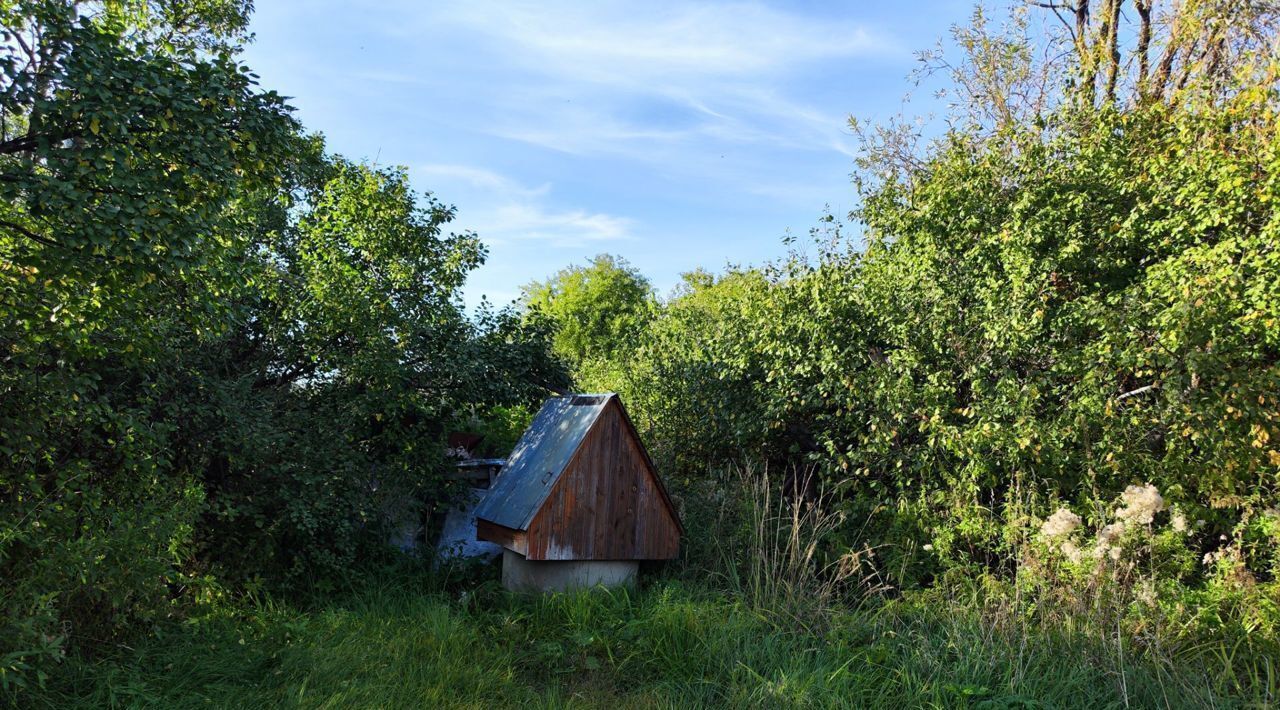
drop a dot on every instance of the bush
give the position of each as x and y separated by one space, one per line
223 377
1054 302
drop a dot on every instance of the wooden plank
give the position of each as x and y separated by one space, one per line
515 540
657 531
650 468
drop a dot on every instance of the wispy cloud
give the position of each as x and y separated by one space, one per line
560 229
504 211
608 42
479 178
672 132
642 81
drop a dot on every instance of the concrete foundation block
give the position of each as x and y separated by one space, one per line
522 575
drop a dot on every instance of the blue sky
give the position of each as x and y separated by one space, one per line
675 135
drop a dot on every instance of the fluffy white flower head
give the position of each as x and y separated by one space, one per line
1141 503
1060 524
1110 533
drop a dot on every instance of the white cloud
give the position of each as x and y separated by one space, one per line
587 131
478 178
612 42
575 73
555 228
676 132
502 210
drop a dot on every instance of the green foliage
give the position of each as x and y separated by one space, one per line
1043 311
358 358
1049 364
1085 328
229 359
693 379
1053 322
501 428
595 309
121 168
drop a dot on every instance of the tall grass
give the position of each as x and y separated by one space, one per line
783 568
773 617
671 644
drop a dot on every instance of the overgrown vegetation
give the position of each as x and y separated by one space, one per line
1055 301
1063 308
1010 435
416 638
669 646
226 353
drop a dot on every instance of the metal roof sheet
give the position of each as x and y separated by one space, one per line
541 455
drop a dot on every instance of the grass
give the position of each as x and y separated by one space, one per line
758 621
407 642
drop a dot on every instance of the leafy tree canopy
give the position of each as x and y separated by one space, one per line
595 309
229 357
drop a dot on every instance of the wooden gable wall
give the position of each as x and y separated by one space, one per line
607 505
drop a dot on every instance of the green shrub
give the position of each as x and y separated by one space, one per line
230 360
1051 303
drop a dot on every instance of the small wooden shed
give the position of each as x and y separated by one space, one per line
579 501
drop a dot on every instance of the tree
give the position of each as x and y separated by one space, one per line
126 161
597 310
343 385
1074 290
224 350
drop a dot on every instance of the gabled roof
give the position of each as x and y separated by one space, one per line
542 454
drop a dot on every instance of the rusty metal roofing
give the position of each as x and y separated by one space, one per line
541 455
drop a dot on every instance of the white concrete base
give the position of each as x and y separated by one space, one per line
521 575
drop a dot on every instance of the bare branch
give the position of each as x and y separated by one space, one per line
1135 393
1164 69
1056 8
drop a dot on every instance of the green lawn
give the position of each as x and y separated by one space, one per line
670 644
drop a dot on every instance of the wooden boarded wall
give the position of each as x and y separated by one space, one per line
607 504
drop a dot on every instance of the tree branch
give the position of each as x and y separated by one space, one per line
1135 393
1144 42
14 227
1088 62
1055 7
1164 69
